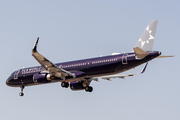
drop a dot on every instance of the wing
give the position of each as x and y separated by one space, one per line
119 76
49 66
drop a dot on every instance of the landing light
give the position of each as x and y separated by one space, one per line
52 77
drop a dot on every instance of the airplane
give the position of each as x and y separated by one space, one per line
79 74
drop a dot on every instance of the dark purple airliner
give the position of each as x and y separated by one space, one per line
80 73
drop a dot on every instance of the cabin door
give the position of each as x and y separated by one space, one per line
16 74
124 58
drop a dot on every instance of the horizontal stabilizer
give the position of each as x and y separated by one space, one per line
140 54
164 56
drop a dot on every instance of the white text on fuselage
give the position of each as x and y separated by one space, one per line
32 70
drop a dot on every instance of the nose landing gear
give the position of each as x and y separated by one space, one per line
21 93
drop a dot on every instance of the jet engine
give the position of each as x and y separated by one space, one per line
77 85
42 78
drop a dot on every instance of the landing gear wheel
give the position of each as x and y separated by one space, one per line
65 84
21 93
88 89
62 84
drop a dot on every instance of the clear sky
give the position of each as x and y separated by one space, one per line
78 29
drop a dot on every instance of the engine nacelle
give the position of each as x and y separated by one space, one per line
77 85
42 78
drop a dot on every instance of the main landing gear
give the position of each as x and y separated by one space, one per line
86 84
88 89
21 93
65 84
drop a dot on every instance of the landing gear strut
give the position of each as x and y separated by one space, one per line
65 84
21 93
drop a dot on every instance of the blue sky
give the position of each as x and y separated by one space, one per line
77 29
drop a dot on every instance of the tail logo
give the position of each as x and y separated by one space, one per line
146 40
149 37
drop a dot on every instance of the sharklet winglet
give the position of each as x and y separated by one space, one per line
35 46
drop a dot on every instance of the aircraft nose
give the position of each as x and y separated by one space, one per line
9 80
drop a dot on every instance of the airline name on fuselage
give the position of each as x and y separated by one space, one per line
32 70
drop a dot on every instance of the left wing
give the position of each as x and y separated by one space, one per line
119 76
49 66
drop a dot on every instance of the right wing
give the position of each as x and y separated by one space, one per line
49 66
119 76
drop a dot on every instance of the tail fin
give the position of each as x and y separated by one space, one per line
147 38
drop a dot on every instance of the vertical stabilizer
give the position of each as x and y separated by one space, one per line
147 38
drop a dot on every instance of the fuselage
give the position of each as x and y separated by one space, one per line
87 68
